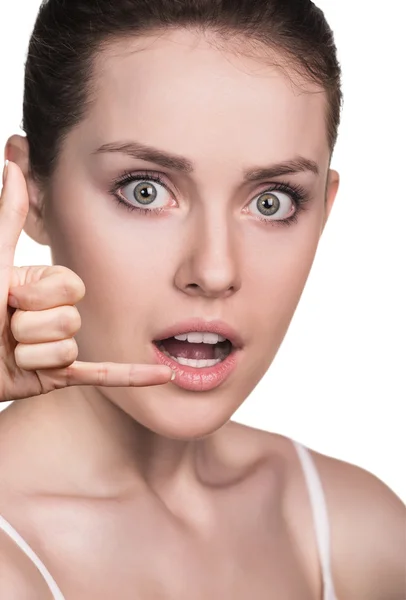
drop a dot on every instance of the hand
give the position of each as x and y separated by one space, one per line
38 318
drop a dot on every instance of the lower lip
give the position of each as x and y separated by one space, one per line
199 380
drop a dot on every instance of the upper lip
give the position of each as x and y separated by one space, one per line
214 326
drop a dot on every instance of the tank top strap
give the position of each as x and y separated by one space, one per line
320 518
22 544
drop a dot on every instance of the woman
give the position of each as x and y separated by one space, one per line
177 163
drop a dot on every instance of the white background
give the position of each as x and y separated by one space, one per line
338 381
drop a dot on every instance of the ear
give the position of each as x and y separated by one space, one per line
17 151
333 182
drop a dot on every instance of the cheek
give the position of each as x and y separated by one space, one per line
124 279
279 260
275 276
126 283
108 247
124 262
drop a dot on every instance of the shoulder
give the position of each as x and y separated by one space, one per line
19 577
367 522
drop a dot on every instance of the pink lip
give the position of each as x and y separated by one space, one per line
199 380
207 378
214 326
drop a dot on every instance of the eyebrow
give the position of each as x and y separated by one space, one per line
179 163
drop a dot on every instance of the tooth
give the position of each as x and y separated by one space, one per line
210 338
197 364
181 360
195 337
211 363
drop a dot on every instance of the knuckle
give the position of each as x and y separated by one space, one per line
80 288
30 299
76 320
69 351
132 375
19 356
102 374
20 209
22 356
6 248
65 290
16 325
71 286
69 320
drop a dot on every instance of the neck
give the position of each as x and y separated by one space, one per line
80 443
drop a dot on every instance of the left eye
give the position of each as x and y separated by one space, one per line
271 203
145 193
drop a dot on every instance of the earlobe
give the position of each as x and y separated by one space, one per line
34 227
17 151
333 183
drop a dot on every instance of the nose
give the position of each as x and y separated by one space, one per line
210 259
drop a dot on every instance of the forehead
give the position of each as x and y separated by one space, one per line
182 93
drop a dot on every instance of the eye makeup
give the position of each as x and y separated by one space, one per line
297 193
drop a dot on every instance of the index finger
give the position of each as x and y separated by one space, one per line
109 374
14 206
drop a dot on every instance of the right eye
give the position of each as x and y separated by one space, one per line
143 192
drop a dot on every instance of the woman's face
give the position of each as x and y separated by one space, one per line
207 254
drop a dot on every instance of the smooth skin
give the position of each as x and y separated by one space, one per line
38 350
129 489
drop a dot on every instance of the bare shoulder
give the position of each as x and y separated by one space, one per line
368 538
19 577
367 519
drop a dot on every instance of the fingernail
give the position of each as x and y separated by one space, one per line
5 172
173 375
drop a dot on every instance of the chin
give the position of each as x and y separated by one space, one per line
188 426
180 415
174 412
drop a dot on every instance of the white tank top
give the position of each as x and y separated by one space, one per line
320 519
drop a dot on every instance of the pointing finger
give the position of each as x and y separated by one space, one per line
109 375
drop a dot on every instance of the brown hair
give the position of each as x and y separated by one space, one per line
68 34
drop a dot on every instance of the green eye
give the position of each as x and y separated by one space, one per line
272 203
145 192
268 204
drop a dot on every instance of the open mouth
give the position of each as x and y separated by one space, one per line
196 349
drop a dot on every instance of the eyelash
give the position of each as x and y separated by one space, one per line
296 192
